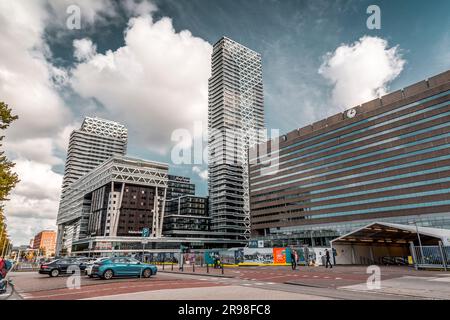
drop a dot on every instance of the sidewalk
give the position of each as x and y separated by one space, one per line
197 270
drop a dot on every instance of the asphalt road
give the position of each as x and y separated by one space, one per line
260 283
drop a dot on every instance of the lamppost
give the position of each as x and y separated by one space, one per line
420 241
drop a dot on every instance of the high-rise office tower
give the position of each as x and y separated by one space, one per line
95 142
235 123
91 145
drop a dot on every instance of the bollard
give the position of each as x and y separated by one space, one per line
193 267
163 264
172 265
207 267
222 268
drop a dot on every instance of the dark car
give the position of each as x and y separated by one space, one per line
61 266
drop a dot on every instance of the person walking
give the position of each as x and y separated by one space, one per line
293 259
327 258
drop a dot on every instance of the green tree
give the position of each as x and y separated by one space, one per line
8 178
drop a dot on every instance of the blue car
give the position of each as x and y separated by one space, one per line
122 267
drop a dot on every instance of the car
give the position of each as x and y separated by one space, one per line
122 266
60 266
90 265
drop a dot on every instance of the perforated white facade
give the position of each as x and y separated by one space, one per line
235 123
95 142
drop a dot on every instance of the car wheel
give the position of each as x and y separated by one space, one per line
54 273
108 274
147 273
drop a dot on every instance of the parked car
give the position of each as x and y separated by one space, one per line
90 265
122 266
60 266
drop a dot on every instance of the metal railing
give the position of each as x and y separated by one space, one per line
431 256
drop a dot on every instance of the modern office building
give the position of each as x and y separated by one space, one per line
178 186
186 215
387 160
121 198
96 141
235 122
45 241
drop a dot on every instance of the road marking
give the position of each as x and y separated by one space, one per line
338 278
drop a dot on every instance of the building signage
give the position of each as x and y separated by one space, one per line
145 232
253 244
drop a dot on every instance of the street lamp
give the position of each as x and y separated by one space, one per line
420 241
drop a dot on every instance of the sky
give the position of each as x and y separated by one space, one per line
146 64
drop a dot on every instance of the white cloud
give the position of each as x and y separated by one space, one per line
155 84
138 8
84 49
30 84
361 71
34 202
40 150
203 174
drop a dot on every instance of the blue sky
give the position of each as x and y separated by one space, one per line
133 61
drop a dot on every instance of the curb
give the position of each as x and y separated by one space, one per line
197 274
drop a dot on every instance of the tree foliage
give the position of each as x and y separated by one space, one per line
8 178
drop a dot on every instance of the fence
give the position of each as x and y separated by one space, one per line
431 256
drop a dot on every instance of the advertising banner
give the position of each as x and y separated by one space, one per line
279 255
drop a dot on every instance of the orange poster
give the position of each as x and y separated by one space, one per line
279 255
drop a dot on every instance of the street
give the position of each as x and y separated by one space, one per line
249 283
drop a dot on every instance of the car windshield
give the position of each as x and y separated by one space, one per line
53 261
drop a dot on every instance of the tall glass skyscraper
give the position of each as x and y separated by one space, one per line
95 142
235 122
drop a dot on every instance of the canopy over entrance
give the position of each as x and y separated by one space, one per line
385 243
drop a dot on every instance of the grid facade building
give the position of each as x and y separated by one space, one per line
385 160
120 198
235 122
95 142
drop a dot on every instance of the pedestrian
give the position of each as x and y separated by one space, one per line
327 258
306 252
293 259
3 272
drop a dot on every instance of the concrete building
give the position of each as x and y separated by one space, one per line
45 241
120 198
387 160
96 141
235 121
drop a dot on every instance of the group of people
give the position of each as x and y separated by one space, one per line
5 266
294 258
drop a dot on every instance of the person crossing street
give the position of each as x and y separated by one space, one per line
327 257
